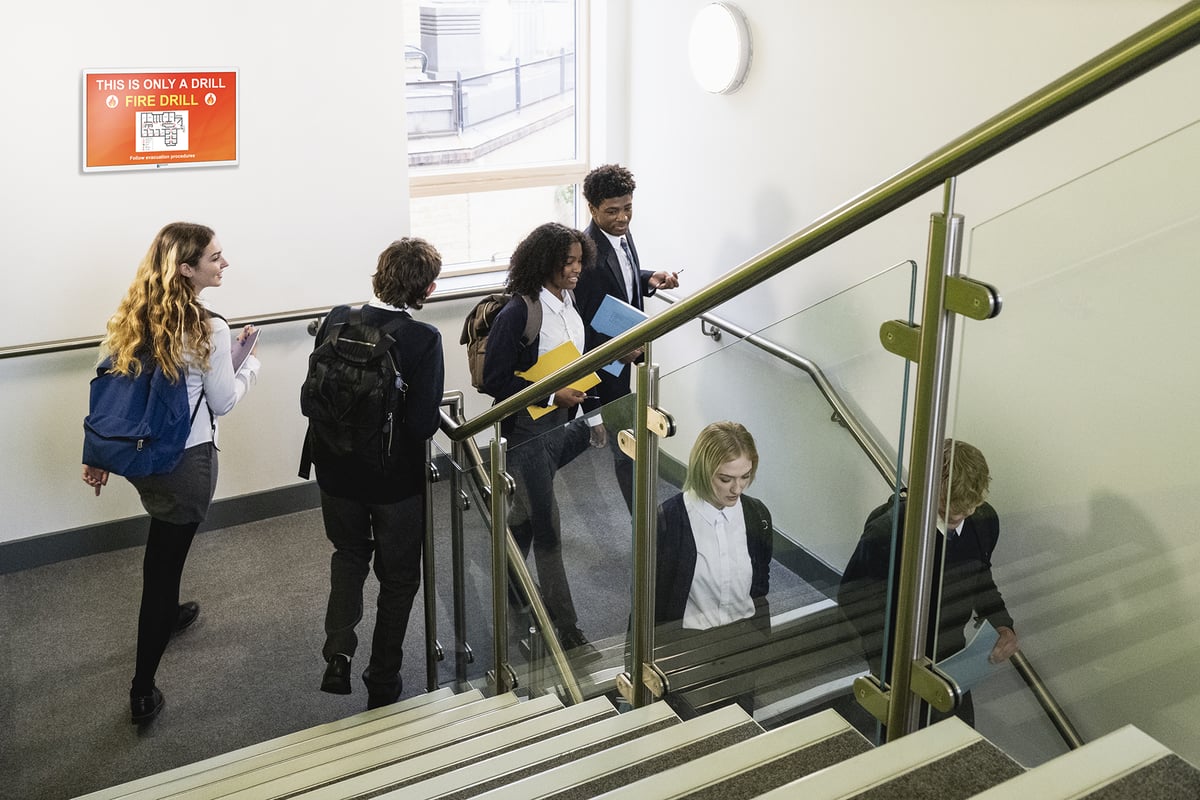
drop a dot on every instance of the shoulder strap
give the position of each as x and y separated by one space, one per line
533 319
386 338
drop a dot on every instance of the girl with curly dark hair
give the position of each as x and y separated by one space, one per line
544 270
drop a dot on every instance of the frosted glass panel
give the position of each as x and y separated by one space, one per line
1082 394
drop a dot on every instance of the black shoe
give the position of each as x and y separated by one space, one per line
375 700
576 644
382 693
145 707
337 675
187 615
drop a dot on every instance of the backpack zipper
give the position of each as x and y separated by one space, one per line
387 427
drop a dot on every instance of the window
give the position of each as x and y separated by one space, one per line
495 109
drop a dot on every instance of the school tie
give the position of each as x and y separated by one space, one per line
635 289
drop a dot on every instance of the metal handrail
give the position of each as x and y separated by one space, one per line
1141 52
873 450
276 318
1055 712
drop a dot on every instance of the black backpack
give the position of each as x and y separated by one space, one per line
354 393
478 324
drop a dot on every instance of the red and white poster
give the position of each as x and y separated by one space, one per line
149 119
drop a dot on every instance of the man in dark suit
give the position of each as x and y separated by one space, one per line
608 191
969 529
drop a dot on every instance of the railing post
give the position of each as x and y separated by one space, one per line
458 500
459 111
644 533
517 81
429 577
500 494
915 580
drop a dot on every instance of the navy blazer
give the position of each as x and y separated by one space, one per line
967 587
676 562
605 278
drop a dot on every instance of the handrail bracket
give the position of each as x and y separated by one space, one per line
658 422
972 298
653 678
926 681
902 339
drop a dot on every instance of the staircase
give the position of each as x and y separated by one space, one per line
445 745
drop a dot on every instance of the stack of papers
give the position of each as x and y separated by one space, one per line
239 350
614 318
551 362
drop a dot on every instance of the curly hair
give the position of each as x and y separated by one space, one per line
160 317
543 253
965 474
610 180
405 270
719 443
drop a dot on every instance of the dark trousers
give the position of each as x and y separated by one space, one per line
162 569
389 536
619 415
539 448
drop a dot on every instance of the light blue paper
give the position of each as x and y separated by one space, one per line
970 665
612 319
615 317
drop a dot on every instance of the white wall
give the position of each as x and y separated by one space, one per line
318 193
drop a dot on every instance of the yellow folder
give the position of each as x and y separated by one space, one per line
553 361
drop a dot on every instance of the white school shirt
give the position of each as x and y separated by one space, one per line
560 322
223 388
720 592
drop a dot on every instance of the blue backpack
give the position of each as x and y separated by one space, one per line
136 426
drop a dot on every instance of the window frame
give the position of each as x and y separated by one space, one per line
467 180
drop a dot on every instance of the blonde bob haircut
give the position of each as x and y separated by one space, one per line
719 443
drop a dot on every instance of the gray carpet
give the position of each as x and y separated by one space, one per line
249 668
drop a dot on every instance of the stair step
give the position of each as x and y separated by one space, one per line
464 754
1124 763
626 763
947 761
647 723
369 753
272 766
706 670
397 713
758 765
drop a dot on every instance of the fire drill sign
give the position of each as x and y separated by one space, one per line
149 119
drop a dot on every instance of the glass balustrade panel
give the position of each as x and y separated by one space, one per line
463 558
569 521
1081 396
749 611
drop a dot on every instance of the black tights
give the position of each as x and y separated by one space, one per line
166 551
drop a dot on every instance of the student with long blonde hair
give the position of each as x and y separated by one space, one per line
162 321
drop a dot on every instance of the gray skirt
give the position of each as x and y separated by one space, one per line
181 496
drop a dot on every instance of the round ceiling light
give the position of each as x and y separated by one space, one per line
719 48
